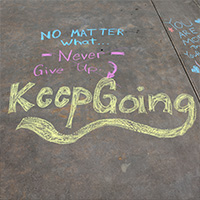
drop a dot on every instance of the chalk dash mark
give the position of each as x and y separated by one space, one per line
118 53
46 54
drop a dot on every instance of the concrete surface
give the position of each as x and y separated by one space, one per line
109 163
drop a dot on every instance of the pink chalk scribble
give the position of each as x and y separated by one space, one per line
170 29
111 75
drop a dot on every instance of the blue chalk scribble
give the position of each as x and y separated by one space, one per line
195 69
197 21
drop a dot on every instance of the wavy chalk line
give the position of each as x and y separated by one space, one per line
46 130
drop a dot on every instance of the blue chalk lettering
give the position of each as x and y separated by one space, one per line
75 32
197 54
92 40
47 36
187 54
193 39
66 43
111 31
119 31
181 34
195 47
184 41
191 24
75 42
102 30
83 32
59 33
91 31
85 42
175 24
186 33
187 41
170 22
192 30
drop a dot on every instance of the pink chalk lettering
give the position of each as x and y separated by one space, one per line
40 72
52 72
84 57
91 55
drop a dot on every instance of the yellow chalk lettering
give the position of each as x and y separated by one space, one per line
153 100
128 110
15 97
75 101
42 92
48 132
190 108
62 91
141 108
97 105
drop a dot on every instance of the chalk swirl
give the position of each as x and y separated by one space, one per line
47 131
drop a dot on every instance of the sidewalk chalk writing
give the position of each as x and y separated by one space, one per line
81 96
195 47
47 131
39 70
189 36
82 33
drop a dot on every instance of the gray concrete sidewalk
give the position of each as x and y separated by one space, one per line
100 100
